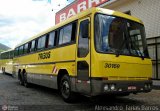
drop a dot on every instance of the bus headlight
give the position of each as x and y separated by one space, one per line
113 87
106 87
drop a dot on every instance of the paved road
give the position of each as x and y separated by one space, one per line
37 98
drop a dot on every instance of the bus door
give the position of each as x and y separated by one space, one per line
83 57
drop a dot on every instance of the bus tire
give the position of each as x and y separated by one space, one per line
26 84
65 89
21 82
123 94
4 70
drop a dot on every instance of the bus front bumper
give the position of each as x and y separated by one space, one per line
100 87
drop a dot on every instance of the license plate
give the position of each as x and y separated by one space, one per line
132 88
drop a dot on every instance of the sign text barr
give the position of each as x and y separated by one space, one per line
76 7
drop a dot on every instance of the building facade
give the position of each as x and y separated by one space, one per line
147 10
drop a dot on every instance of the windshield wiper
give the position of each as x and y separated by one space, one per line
141 54
138 51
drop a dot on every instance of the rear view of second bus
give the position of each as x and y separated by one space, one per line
6 61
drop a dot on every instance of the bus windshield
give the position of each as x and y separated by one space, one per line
119 35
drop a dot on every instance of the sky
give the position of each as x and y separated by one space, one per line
21 19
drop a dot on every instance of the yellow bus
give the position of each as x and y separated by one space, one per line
6 61
95 52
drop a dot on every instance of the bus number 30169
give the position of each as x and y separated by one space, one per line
44 55
109 65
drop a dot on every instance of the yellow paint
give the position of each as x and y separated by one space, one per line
34 65
131 68
7 64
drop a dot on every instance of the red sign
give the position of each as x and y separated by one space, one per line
76 7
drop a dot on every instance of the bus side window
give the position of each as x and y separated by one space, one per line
32 46
50 40
29 47
41 42
16 52
25 48
8 53
60 36
11 55
47 41
65 34
56 38
74 31
20 50
3 56
36 44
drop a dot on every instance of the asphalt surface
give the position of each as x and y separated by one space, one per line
14 97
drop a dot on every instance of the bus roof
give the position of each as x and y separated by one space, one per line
81 15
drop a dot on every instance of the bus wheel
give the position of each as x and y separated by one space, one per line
65 89
124 94
4 70
21 82
26 84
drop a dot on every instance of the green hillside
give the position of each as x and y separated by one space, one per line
3 47
1 50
